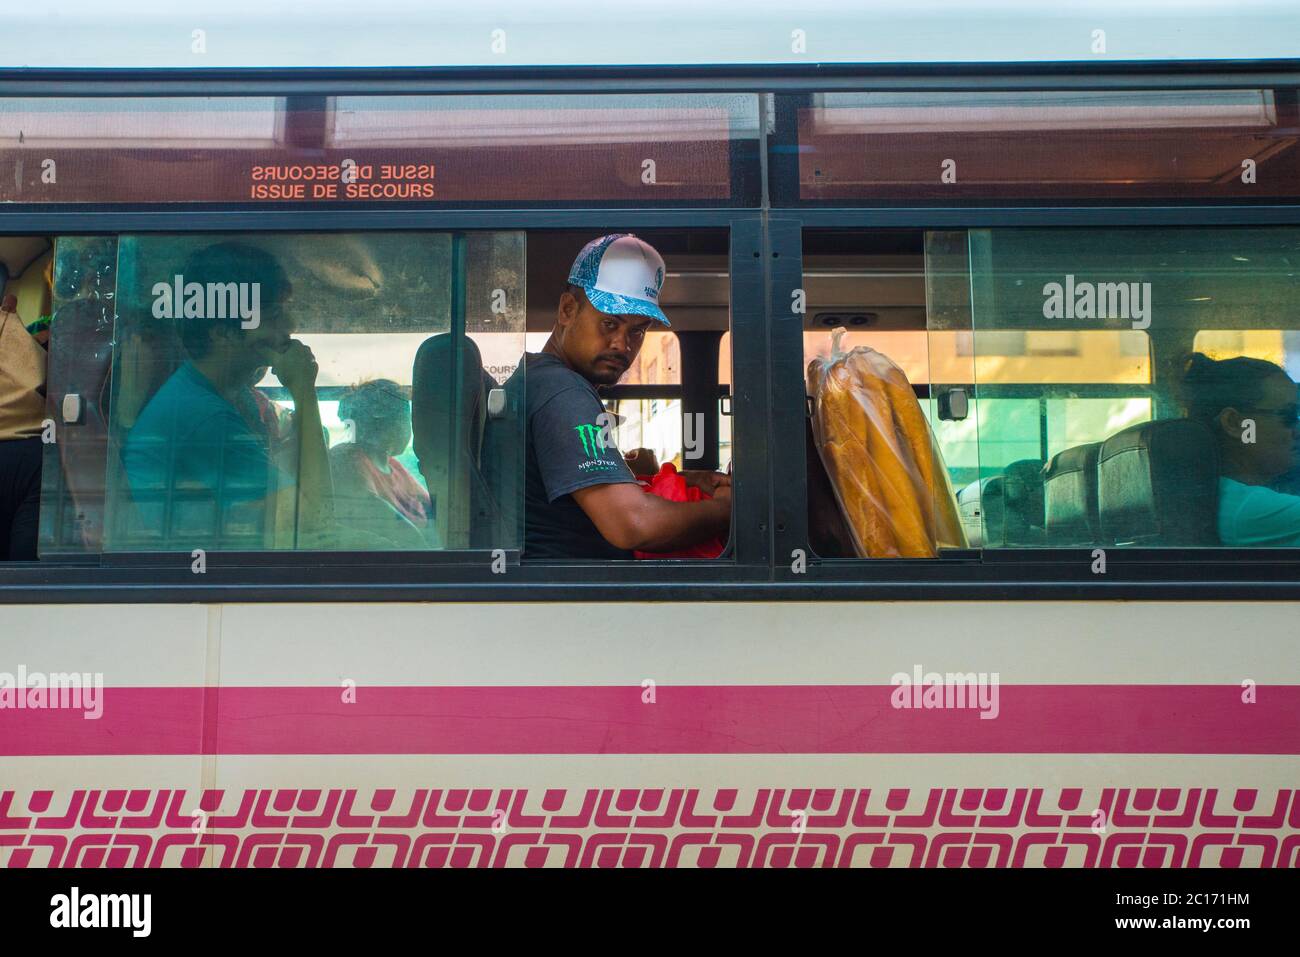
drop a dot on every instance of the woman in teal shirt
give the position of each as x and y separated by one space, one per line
1253 409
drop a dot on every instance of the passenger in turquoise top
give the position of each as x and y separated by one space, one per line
202 460
1253 408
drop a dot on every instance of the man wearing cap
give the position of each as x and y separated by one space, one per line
580 498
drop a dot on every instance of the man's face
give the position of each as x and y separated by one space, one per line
597 346
258 346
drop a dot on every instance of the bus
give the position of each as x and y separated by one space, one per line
1097 671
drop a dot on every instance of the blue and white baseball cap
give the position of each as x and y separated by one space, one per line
621 275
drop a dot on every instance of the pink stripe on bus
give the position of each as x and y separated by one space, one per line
684 719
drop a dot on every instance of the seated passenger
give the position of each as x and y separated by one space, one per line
22 414
580 498
202 460
373 492
1252 407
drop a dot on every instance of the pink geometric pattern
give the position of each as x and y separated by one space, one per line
653 827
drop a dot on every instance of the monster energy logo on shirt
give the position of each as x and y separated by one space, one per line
593 442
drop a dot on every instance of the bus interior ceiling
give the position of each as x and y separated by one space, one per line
869 280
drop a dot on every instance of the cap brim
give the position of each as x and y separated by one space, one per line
615 305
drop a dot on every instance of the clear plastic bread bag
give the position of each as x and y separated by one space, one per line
881 456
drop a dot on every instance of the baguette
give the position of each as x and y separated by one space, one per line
843 451
866 411
860 501
943 524
880 454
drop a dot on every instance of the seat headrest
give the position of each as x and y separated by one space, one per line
994 508
1157 484
1070 496
440 419
1022 494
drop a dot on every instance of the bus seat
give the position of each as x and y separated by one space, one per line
993 507
1157 485
144 356
969 500
828 533
1070 496
1008 508
450 434
1022 498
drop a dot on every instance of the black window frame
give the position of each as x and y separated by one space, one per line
769 510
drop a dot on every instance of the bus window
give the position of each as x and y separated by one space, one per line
306 391
1024 393
1040 145
1176 425
658 395
881 464
503 150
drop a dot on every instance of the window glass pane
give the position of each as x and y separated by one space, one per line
78 386
1041 146
880 461
680 149
1177 427
316 391
658 407
1021 393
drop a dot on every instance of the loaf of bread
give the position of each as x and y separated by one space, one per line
884 465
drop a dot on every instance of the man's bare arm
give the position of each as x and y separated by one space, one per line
630 519
296 369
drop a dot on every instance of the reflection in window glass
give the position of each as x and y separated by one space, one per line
309 150
315 391
1045 145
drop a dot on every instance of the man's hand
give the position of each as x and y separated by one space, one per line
296 368
642 462
631 520
707 482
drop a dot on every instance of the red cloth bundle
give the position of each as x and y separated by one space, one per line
667 483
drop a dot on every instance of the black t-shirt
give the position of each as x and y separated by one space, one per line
568 448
